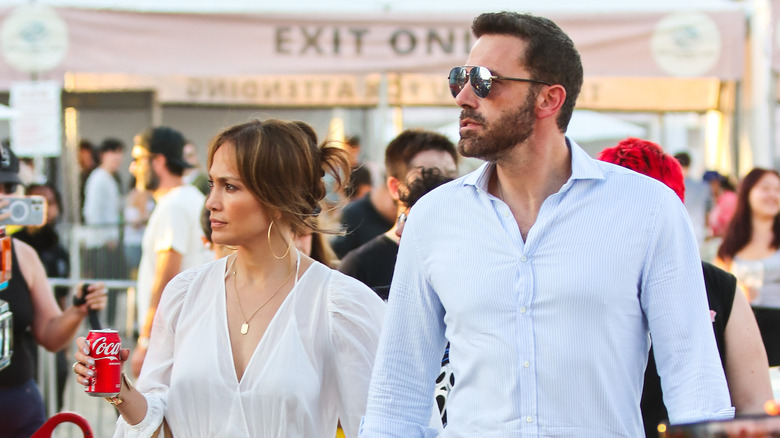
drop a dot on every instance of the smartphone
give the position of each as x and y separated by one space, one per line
24 210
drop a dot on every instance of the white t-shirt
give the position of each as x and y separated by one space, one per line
311 368
102 208
174 224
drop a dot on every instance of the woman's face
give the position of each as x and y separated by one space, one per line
237 217
764 198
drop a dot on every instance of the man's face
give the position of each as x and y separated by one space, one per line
112 160
146 179
492 126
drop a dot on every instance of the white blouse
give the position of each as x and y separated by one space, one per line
311 368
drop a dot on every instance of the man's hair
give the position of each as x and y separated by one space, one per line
683 158
429 179
549 56
111 145
402 150
352 141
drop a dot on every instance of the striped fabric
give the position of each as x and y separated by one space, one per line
549 336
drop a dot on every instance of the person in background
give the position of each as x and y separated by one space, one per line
697 198
290 343
102 257
88 161
37 320
172 240
548 314
751 251
195 175
45 240
724 203
138 207
736 332
411 152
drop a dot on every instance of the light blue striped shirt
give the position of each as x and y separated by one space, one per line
549 337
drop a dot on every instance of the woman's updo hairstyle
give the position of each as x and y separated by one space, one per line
282 165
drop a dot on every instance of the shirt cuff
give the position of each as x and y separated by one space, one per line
385 428
154 417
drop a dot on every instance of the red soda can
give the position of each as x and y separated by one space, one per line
104 347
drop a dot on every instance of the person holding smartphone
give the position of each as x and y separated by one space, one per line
38 320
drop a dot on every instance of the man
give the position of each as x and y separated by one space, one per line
697 197
364 219
172 239
547 310
412 150
102 212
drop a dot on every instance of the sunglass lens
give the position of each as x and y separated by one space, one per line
481 81
458 77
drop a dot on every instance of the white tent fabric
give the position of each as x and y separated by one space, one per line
347 38
384 6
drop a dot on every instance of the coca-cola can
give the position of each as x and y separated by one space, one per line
104 347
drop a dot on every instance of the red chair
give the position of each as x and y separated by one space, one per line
70 417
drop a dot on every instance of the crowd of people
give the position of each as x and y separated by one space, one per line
547 293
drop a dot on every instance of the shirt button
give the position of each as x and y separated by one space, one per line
523 309
528 419
523 258
526 364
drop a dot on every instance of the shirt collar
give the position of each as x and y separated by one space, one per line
583 166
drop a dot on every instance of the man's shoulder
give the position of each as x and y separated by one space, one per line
370 251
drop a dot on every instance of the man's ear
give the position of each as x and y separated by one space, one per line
550 100
393 186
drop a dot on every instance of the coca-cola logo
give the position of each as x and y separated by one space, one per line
103 348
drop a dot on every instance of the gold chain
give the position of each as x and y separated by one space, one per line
245 325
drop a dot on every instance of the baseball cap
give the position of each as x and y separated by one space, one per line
712 175
9 166
165 141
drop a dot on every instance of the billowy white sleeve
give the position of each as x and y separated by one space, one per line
355 315
155 376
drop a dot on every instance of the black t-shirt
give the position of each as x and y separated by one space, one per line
23 359
362 223
720 286
373 264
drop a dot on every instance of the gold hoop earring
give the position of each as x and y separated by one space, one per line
269 243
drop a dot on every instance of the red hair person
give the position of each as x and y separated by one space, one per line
736 332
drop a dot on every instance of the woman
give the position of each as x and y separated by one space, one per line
37 320
750 250
736 334
266 342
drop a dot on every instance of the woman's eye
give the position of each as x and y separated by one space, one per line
211 183
230 187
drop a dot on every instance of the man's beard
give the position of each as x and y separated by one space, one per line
151 180
497 138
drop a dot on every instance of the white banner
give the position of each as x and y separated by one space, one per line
36 131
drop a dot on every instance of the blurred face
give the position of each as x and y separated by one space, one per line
764 198
111 160
52 208
146 179
237 217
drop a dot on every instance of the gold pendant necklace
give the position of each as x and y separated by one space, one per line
245 325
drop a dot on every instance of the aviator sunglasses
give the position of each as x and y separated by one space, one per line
481 80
